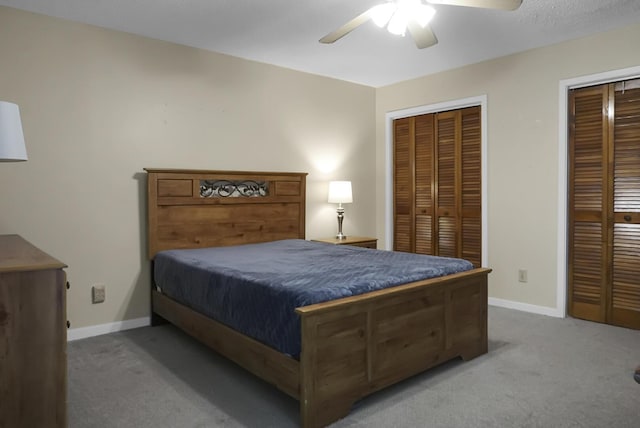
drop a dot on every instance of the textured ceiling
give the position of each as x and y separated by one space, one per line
286 32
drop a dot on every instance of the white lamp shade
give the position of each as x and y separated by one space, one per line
12 146
340 192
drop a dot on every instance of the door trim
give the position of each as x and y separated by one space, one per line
435 108
563 154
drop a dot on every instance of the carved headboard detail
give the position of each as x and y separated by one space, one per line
199 208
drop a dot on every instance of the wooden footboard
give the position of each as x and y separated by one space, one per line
352 347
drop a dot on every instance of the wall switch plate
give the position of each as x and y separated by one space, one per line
522 275
98 293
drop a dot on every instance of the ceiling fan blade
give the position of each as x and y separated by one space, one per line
486 4
423 36
347 28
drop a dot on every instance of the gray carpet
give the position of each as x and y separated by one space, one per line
539 372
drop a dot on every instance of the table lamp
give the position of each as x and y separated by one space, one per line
340 193
12 148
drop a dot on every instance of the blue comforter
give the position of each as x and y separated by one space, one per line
255 288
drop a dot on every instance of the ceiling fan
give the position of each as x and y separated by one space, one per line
413 15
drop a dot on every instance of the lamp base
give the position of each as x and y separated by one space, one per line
340 210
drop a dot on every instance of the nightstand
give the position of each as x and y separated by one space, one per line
356 241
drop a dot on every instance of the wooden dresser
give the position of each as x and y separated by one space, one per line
33 336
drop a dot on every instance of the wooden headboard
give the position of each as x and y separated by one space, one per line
199 208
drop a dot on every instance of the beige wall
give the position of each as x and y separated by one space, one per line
98 106
523 162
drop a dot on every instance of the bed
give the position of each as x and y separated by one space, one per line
348 347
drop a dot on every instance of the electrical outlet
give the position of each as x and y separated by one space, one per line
522 275
97 293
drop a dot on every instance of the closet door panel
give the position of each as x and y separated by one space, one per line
589 129
424 179
471 194
447 183
403 187
625 290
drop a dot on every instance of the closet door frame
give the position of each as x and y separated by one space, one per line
565 86
435 108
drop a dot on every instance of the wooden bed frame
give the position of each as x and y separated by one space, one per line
351 347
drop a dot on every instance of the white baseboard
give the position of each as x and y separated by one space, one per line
97 330
525 307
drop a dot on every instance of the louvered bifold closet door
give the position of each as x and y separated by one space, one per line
625 290
424 179
458 185
438 184
447 182
471 202
403 184
588 203
413 184
604 204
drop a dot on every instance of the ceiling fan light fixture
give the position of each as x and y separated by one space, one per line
397 15
381 14
398 23
412 15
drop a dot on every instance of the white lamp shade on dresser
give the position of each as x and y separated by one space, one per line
12 147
